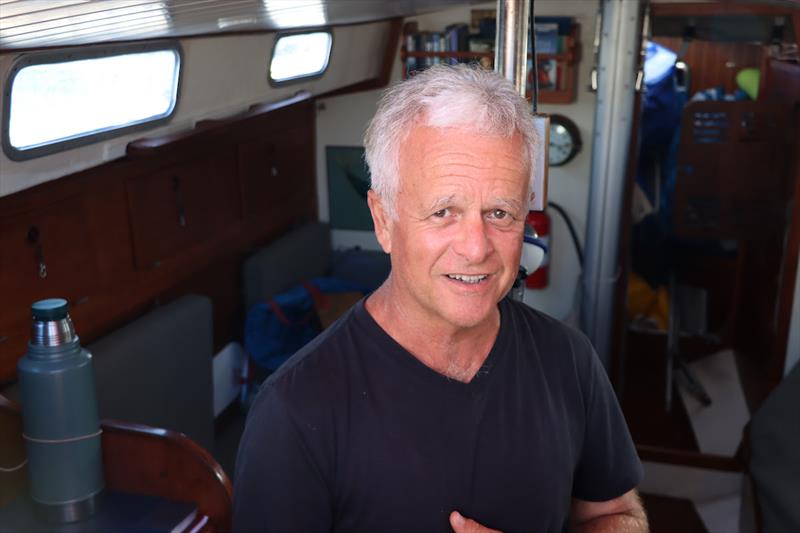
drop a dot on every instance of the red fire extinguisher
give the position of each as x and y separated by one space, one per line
540 222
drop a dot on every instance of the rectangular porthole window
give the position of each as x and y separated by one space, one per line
299 55
60 100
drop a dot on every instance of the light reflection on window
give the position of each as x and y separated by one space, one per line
300 55
53 102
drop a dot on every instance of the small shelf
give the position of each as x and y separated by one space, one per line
556 89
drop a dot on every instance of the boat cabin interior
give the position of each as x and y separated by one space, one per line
177 170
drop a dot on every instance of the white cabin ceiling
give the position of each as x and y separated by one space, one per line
26 24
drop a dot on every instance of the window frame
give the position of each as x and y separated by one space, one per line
76 54
304 77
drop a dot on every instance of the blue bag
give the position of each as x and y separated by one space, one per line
275 329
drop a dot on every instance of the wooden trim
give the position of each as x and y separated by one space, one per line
725 8
796 24
9 405
657 454
619 324
390 52
155 146
788 272
570 55
179 440
254 110
366 85
162 462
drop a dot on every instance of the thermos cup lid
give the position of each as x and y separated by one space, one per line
50 309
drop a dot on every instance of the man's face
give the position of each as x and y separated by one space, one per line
456 240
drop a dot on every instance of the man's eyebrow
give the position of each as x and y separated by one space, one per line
509 202
441 202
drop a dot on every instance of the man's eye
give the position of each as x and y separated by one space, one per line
499 214
441 213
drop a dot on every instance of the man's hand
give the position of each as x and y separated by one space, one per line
465 525
620 515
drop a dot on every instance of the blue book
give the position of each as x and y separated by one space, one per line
411 46
547 38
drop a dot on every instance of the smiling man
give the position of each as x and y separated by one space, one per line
436 404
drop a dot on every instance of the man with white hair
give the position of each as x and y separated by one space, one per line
437 404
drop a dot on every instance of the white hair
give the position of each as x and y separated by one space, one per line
443 96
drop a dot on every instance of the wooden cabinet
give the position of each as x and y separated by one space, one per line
178 214
180 206
47 252
47 249
274 172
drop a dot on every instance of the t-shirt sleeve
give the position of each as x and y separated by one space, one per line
608 466
278 485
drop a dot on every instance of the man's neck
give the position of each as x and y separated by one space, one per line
455 352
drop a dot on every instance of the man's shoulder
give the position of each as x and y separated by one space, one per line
545 329
320 368
321 354
560 350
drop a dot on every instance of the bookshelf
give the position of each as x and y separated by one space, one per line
556 71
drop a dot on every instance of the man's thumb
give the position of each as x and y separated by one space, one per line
465 525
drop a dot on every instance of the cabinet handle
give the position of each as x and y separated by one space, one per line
176 188
34 239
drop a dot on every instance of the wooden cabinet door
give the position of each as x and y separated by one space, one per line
47 252
277 174
180 206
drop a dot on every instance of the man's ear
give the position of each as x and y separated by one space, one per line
381 220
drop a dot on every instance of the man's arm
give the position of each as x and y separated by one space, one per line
278 486
622 515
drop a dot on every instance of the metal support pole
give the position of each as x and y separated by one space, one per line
511 48
511 61
616 80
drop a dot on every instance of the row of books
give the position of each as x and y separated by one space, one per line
551 34
455 38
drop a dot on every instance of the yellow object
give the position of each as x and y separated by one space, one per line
645 303
748 80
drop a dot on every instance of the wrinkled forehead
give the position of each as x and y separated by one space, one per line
453 135
461 156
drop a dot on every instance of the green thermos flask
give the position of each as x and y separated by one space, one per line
59 413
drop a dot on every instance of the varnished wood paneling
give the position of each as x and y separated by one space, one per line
714 64
782 86
181 205
732 169
111 235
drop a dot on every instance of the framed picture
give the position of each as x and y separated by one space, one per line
547 72
348 183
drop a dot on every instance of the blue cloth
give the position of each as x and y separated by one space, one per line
275 329
660 124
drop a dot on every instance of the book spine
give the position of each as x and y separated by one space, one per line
411 46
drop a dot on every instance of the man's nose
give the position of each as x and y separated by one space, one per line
473 242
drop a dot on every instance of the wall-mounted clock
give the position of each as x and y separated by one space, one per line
565 140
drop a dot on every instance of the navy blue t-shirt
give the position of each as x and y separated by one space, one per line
354 434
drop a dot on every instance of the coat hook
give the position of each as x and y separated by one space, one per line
34 239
